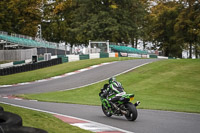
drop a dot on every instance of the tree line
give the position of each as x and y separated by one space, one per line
171 25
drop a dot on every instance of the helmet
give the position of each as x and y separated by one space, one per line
111 80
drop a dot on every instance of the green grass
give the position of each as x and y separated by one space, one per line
165 85
54 70
2 62
42 120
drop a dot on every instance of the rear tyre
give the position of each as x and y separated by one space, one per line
106 112
131 112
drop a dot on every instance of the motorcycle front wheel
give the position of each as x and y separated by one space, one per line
105 111
131 112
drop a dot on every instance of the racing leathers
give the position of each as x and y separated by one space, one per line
115 91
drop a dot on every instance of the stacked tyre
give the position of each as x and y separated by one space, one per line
12 123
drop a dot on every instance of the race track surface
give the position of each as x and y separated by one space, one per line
148 121
77 80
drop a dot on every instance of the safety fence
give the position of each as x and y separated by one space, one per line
29 67
70 58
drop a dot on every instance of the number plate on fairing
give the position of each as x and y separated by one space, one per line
131 99
121 94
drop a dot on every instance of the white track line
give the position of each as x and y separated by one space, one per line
96 126
57 77
107 78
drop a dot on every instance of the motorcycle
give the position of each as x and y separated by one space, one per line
120 106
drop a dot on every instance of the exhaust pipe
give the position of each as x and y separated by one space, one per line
137 103
123 112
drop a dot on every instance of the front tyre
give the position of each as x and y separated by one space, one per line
131 112
106 112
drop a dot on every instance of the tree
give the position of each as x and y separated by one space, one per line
112 20
188 26
94 20
163 17
20 16
56 20
144 23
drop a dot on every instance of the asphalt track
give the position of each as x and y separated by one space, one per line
77 80
148 121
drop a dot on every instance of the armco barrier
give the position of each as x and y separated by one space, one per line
29 67
171 58
144 56
94 55
18 62
104 55
162 57
111 54
153 56
134 55
63 57
121 54
40 58
73 57
6 65
84 57
28 61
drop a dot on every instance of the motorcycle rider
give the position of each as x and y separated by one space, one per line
114 90
115 101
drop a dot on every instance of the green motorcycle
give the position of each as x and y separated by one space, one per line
121 106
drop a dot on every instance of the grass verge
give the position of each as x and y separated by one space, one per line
2 62
164 85
42 120
54 70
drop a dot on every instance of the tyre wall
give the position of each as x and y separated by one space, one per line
94 56
12 123
29 67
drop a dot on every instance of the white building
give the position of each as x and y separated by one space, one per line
186 54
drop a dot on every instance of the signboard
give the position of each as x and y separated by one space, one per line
123 54
134 55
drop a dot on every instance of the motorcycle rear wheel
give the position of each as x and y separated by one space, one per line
105 111
132 112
